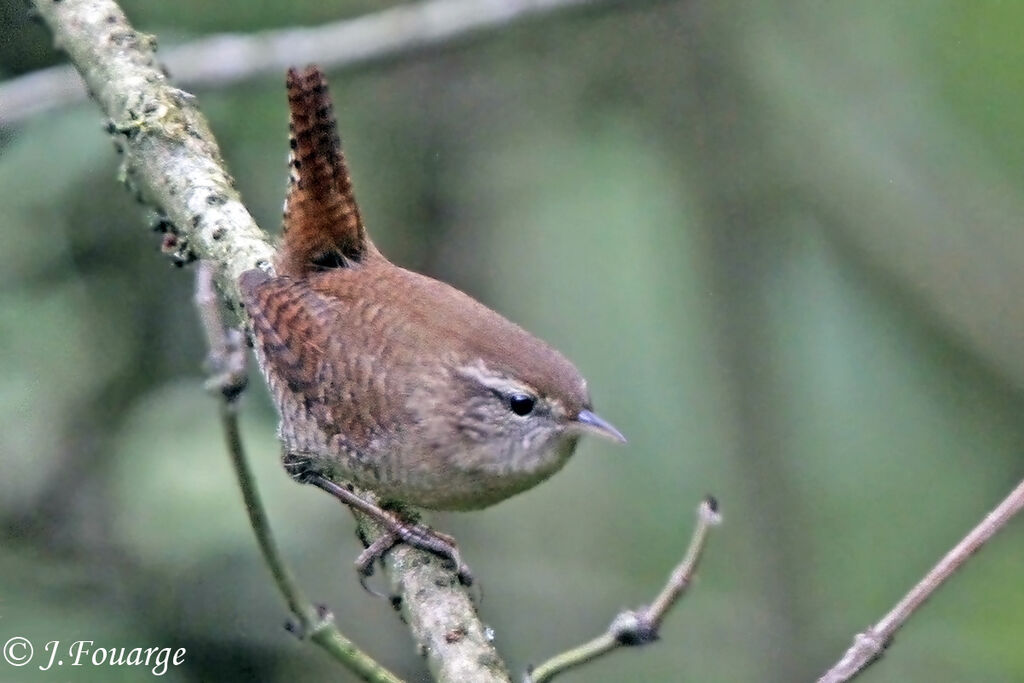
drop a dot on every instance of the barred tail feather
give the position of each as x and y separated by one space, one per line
322 225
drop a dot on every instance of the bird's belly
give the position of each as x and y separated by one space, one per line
457 491
453 484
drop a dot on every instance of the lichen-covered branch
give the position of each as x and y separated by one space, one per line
456 645
869 645
172 162
170 157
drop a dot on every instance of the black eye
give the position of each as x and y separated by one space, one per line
521 404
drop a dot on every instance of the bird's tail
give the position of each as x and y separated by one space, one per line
322 225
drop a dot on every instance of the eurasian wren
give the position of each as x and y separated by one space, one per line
389 379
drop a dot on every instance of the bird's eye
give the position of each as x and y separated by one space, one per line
521 404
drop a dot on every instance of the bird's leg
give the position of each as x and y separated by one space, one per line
396 529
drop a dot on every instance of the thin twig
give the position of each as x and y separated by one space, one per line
224 59
868 646
640 626
226 365
226 360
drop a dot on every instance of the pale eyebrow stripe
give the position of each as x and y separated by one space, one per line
480 373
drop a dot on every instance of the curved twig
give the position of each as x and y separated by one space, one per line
640 626
869 645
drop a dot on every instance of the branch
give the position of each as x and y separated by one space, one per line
869 645
172 161
224 59
638 627
227 367
440 614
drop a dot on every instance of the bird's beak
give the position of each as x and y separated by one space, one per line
591 422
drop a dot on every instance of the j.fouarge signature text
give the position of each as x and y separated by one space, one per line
82 653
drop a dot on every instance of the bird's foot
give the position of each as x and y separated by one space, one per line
396 530
415 535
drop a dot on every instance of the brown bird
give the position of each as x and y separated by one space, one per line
390 380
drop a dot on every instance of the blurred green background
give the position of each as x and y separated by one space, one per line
781 239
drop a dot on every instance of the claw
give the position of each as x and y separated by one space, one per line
369 589
364 563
